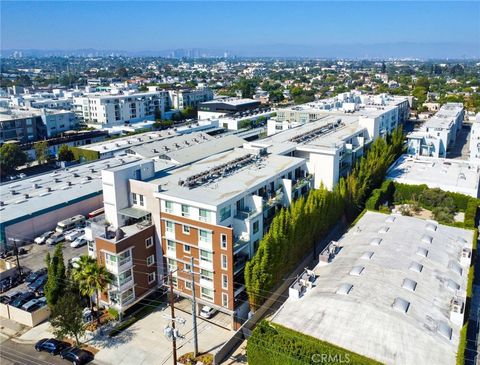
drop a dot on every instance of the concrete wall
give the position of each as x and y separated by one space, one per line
26 318
33 227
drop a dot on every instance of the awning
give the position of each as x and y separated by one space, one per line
133 212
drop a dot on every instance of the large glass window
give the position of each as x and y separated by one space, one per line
256 226
172 264
185 210
125 277
110 259
170 226
206 275
203 215
206 293
171 246
168 206
150 260
225 213
206 256
124 258
205 236
134 199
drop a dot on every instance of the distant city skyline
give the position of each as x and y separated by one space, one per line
309 29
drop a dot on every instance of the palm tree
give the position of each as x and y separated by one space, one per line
92 278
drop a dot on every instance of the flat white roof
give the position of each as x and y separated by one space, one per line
458 176
221 189
84 179
443 119
391 313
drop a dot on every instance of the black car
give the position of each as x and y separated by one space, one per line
35 275
51 345
6 284
37 285
76 356
22 299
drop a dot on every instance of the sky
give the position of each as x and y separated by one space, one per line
248 25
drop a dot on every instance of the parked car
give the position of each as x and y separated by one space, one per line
10 282
34 304
207 312
6 299
74 261
76 356
79 242
55 238
35 275
22 299
72 235
51 345
40 240
37 285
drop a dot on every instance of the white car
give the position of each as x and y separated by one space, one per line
79 242
55 238
74 261
73 235
207 312
40 240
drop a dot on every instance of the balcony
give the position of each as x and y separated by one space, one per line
302 182
240 243
274 200
239 261
246 213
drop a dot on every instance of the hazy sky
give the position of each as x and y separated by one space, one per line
137 25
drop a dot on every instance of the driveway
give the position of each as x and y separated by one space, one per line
145 343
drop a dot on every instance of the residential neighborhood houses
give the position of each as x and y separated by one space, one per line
202 207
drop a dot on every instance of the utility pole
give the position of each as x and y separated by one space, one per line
174 340
194 310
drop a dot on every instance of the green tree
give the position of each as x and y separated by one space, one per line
11 157
41 151
56 283
67 318
65 153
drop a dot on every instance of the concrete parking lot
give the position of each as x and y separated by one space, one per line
144 342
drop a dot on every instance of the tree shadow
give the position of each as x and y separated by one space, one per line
104 341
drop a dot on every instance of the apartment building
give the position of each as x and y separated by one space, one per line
183 98
438 133
475 140
105 110
26 125
215 210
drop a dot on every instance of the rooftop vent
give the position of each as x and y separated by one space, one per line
357 270
461 241
427 239
26 196
344 289
367 255
421 251
444 330
390 219
35 186
401 305
383 230
450 284
415 266
431 227
119 234
376 242
455 267
409 284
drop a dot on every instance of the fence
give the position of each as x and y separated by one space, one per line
30 319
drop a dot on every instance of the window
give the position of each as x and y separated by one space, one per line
171 246
150 260
206 293
223 241
206 256
224 281
225 213
141 201
224 262
172 264
256 225
149 242
203 215
127 296
187 248
206 275
225 299
168 206
205 236
134 199
170 226
185 210
186 229
151 277
188 285
110 259
187 267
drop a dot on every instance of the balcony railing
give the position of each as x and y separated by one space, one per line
302 182
240 243
246 214
274 201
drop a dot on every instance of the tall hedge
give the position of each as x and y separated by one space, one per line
272 344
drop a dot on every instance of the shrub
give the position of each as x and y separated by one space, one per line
404 192
442 215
